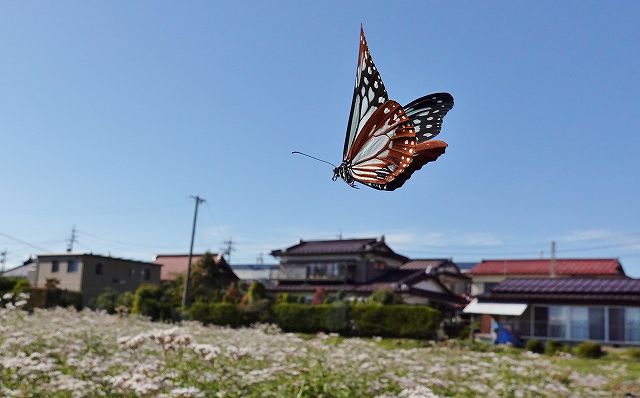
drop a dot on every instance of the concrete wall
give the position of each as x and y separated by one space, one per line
68 280
121 275
118 274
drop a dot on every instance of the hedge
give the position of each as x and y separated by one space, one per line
304 318
367 320
411 321
48 298
228 314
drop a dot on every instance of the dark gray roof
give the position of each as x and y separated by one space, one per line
624 291
339 246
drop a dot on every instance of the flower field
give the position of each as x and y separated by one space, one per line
64 353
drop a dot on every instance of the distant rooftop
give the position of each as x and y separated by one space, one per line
590 290
575 267
79 254
338 246
423 264
254 266
176 264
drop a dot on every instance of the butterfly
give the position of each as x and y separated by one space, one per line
385 142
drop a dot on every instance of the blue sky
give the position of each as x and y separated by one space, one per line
113 113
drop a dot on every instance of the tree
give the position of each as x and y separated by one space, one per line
255 293
232 294
207 279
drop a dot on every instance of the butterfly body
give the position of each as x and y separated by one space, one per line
386 142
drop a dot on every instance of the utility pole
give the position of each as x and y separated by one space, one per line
185 295
72 239
3 259
553 259
260 259
228 248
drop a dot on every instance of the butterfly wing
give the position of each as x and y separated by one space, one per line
369 95
426 151
384 148
427 113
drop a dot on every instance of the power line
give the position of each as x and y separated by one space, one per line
228 248
24 242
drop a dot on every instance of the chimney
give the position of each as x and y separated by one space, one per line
552 267
382 238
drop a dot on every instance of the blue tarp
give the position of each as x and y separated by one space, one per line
504 336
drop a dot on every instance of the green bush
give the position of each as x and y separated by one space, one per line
552 347
107 300
151 301
634 353
534 345
385 297
15 285
125 300
412 321
589 349
304 318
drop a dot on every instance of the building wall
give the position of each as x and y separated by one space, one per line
71 281
365 267
118 274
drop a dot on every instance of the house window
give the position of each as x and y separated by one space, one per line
579 323
540 321
632 326
99 268
55 266
558 320
72 265
147 274
596 323
616 324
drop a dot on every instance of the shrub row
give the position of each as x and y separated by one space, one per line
356 320
48 298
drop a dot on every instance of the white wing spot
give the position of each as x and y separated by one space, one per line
366 80
411 150
440 101
406 142
380 100
430 118
416 121
429 126
369 70
386 110
417 128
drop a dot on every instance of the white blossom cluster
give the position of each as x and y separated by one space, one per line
64 353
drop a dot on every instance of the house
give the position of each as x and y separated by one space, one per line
358 267
90 274
255 272
26 270
176 264
606 310
489 273
336 261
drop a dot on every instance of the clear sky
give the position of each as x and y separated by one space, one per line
113 113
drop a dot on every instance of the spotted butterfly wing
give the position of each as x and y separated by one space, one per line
369 94
426 114
384 148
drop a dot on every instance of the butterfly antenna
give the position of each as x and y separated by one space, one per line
313 157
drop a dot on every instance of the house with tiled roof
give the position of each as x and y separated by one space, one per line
573 309
176 264
488 273
359 267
